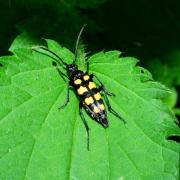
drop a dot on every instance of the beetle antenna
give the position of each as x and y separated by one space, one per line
77 43
46 49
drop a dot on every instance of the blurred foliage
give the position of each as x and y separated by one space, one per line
148 30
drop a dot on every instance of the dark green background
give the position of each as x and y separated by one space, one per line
148 30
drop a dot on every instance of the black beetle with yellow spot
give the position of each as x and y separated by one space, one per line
86 89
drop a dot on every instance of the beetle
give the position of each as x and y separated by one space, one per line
86 89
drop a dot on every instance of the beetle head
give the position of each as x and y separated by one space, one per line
72 68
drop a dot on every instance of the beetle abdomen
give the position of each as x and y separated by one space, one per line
91 98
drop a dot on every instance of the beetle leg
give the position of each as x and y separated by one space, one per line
67 98
68 86
84 122
112 110
59 71
102 87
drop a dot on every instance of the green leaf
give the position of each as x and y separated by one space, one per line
24 40
37 141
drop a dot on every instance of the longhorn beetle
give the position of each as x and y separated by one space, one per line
86 89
